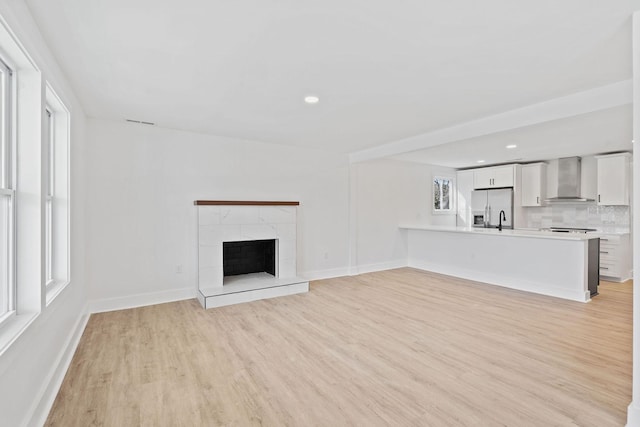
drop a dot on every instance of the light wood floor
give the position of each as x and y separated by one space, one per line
401 347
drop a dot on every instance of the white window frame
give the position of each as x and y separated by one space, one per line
27 209
7 186
439 210
49 194
56 192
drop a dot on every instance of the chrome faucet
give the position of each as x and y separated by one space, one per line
501 216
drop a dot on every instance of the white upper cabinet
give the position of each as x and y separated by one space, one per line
482 178
613 179
503 176
534 185
495 177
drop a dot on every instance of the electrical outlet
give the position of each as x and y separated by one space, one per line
179 269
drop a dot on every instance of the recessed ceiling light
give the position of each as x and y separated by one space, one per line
311 99
480 161
511 146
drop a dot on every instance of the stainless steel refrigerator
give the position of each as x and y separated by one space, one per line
487 204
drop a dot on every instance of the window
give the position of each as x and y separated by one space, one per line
56 194
22 191
7 197
50 171
442 194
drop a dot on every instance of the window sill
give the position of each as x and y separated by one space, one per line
12 328
54 289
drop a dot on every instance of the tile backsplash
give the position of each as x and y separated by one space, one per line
604 218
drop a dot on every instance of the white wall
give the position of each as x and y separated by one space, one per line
387 193
142 221
464 189
33 366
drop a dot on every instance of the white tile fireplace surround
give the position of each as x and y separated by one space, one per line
241 221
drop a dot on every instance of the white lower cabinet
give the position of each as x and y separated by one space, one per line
615 257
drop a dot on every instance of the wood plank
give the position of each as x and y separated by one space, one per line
244 203
399 347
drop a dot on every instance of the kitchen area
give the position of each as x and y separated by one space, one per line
554 227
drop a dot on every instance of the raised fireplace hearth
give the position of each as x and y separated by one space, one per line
246 251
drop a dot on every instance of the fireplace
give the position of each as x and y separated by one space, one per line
246 251
249 256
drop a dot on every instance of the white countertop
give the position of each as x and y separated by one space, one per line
506 233
617 232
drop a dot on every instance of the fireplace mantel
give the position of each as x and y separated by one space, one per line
243 203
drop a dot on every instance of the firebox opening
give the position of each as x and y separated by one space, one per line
252 256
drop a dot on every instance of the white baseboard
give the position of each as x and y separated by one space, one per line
53 382
325 274
201 299
139 300
381 266
354 270
633 415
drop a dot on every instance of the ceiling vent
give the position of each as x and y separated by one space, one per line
140 122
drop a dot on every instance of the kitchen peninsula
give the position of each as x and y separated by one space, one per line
555 264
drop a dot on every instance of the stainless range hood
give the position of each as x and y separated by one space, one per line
568 184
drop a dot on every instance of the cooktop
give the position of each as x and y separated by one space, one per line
570 230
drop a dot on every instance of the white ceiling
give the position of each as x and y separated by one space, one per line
383 70
595 133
